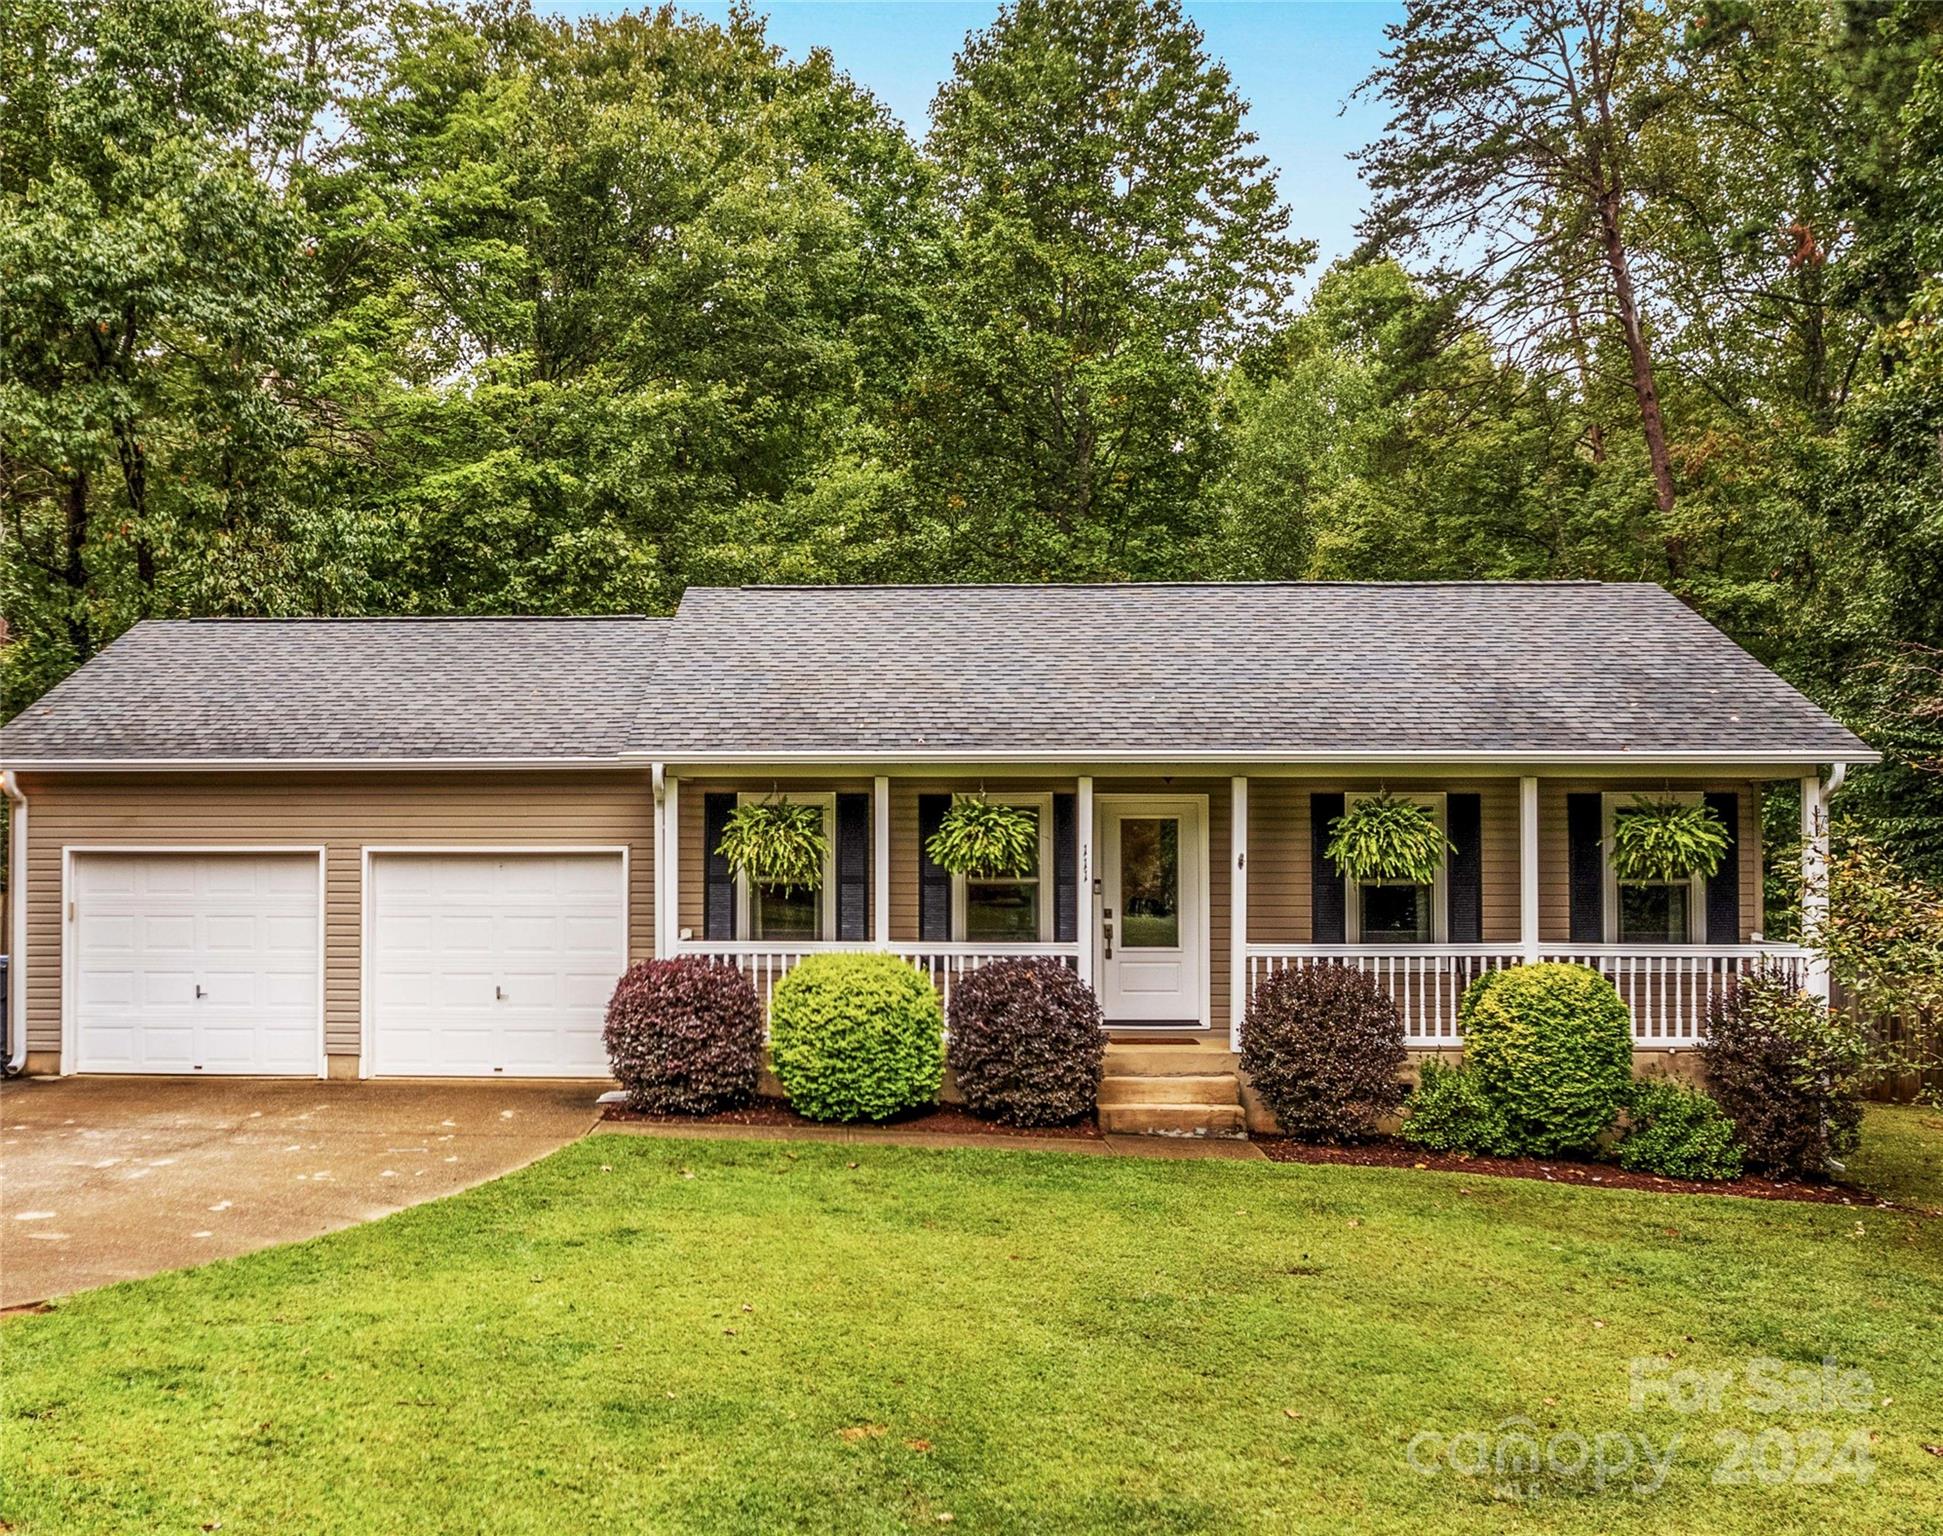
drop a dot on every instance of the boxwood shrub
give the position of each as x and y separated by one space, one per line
1678 1133
1323 1046
1027 1042
1451 1112
856 1037
1787 1071
684 1036
1552 1046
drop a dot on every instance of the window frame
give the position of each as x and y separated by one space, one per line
1610 803
1041 802
745 907
1439 801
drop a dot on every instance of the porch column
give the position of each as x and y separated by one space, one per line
1814 884
1083 898
1237 908
880 861
1528 868
659 823
671 819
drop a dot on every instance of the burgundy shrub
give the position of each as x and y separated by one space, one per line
685 1037
1027 1044
1323 1046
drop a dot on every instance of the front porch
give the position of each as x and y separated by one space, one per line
1176 896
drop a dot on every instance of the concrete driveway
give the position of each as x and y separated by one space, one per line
110 1178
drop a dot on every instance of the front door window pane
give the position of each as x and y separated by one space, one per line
1395 914
793 914
1150 882
1655 914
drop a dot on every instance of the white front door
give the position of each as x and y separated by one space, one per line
494 964
196 962
1153 960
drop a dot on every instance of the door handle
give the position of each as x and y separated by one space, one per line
199 990
499 994
1106 934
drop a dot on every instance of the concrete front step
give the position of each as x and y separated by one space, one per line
1171 1119
1125 1058
1116 1089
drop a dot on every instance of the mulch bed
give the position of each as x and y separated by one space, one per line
1389 1152
954 1119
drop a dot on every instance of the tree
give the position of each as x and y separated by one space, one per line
1511 147
155 284
1113 237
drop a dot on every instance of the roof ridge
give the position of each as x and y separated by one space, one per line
1119 586
417 618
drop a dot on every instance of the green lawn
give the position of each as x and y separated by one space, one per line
642 1335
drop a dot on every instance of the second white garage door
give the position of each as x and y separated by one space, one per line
488 965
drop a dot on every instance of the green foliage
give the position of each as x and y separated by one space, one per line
856 1037
776 843
1450 1111
1383 837
1667 840
976 837
1678 1133
1552 1046
1883 934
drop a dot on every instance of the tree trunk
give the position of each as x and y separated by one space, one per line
1651 422
74 575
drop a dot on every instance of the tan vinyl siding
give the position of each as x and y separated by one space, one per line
1554 889
345 812
1279 853
690 853
904 835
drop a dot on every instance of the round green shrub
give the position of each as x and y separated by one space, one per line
856 1037
1027 1043
1451 1112
1323 1046
1678 1133
1552 1045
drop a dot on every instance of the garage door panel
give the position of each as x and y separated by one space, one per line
181 966
494 964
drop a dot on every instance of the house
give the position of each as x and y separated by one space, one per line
428 846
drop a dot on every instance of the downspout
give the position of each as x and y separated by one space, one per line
16 1021
1837 776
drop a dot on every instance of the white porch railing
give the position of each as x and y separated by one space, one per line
1667 988
766 963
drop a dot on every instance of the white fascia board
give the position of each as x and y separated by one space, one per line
314 764
1782 764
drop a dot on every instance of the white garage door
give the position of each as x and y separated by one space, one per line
196 962
486 964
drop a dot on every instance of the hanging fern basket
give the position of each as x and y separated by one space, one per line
1384 838
980 839
1667 840
776 844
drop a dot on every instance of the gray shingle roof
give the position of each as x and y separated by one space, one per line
1572 668
363 689
1297 670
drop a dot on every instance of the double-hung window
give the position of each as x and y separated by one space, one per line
1650 911
1392 912
1009 909
770 912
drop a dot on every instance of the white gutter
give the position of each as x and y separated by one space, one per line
17 912
1147 758
311 764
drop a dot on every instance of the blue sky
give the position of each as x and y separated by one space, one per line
1295 61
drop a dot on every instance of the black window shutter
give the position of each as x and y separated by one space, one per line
1724 885
1065 868
718 880
1328 921
853 866
1464 880
934 883
1586 867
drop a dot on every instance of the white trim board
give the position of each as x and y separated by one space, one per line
69 1025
